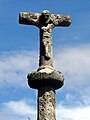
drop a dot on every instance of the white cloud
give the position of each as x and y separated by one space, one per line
15 66
22 110
17 110
74 62
78 113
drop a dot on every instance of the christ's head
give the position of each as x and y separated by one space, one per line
46 16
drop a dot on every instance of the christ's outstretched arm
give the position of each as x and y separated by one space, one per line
61 20
29 18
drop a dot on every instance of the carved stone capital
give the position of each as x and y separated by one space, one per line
45 77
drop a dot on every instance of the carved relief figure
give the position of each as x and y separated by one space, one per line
45 22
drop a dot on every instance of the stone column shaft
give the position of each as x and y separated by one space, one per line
46 103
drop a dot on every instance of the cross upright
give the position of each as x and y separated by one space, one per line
46 79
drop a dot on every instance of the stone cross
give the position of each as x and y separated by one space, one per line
46 79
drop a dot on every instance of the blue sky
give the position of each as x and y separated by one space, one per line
19 54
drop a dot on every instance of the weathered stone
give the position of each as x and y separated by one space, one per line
46 103
45 22
46 79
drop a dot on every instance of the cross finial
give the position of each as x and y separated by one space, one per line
46 22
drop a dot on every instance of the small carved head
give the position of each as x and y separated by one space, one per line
46 16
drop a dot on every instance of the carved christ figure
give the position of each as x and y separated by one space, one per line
45 22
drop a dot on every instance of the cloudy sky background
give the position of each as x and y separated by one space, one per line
19 54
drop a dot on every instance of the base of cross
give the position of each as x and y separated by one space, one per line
45 77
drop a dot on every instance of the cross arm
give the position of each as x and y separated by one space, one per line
61 20
29 18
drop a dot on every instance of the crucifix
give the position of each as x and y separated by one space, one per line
46 79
